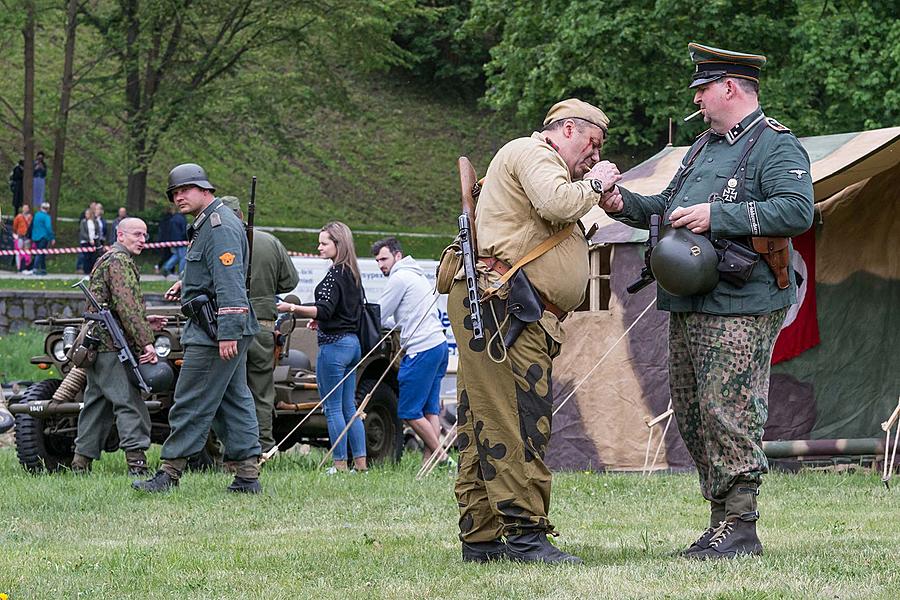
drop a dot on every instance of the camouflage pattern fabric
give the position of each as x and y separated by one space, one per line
504 415
116 282
719 380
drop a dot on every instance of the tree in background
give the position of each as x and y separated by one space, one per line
833 66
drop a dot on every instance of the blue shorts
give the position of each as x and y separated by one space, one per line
420 383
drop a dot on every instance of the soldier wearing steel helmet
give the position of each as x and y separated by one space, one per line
744 178
212 386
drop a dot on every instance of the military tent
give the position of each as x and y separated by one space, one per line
839 374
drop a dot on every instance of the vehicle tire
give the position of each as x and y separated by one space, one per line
384 433
37 451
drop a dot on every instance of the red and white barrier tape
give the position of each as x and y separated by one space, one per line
80 249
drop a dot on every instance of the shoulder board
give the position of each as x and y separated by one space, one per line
215 219
702 133
776 125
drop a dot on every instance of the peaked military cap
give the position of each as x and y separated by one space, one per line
573 108
713 64
231 202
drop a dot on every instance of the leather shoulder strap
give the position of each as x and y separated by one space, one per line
532 254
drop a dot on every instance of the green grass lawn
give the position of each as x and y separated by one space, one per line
385 535
15 351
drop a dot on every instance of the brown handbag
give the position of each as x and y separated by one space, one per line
774 250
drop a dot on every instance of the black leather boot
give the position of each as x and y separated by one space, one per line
482 552
535 547
81 465
137 463
717 515
734 537
160 482
242 485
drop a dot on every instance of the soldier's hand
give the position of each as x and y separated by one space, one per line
606 172
228 349
312 324
157 322
173 294
148 355
695 218
612 201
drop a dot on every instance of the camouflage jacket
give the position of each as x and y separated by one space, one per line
115 282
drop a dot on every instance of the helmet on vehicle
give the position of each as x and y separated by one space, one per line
159 376
297 359
684 263
188 174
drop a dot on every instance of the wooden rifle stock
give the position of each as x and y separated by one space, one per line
470 188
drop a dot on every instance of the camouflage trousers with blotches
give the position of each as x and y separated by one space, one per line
503 419
719 380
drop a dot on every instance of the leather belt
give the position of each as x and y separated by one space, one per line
498 266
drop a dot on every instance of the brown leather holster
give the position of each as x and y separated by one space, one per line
774 250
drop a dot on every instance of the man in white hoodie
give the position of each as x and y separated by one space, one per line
405 299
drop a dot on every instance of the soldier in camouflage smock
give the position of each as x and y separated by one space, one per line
212 385
110 397
747 176
535 187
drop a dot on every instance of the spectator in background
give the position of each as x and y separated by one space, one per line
177 233
164 235
87 238
102 225
42 236
123 214
15 185
79 258
21 241
39 180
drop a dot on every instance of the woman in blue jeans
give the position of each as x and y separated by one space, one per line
336 314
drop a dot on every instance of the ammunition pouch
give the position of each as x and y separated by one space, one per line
448 266
203 311
523 306
83 352
736 261
774 250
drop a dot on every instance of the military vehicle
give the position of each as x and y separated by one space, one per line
46 412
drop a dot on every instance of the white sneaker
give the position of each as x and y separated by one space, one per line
331 471
27 272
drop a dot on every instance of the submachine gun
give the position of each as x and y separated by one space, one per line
467 241
108 321
646 273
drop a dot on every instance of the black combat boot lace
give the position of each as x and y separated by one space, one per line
721 533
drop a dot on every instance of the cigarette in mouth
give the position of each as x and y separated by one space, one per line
692 115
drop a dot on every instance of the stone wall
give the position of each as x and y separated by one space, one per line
19 308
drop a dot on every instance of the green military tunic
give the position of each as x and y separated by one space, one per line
720 343
109 396
211 391
272 273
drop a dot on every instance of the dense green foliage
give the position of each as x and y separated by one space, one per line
834 66
386 535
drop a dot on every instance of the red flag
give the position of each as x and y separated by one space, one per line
800 331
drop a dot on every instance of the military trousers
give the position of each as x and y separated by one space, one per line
213 393
110 399
260 367
503 419
719 380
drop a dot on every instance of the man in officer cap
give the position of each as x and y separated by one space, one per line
535 187
212 386
744 180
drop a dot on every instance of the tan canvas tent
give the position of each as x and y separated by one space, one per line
842 387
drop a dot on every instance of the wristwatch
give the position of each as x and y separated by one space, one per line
597 185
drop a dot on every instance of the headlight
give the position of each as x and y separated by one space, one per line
58 349
163 346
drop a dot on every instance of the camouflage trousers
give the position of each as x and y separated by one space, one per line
503 421
719 380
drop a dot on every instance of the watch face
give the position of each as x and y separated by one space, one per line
597 185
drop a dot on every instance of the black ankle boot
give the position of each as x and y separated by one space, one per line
483 552
242 485
701 543
535 547
161 482
733 537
